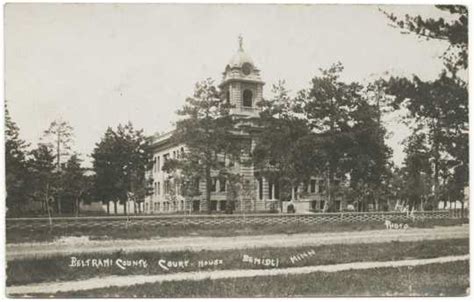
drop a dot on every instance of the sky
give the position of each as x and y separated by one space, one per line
98 65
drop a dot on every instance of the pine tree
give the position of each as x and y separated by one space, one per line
76 185
209 134
120 162
15 167
327 105
43 177
58 137
440 106
368 154
455 32
283 145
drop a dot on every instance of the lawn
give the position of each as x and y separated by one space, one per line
57 268
449 279
146 232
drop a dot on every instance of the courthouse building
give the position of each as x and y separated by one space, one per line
242 86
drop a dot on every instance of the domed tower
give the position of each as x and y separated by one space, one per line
241 84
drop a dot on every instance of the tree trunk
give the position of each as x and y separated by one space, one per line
115 207
329 186
436 158
79 208
59 203
280 188
108 207
208 189
125 203
58 152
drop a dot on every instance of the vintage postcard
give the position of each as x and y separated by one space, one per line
236 150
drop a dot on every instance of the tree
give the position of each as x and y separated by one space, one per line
327 106
283 145
120 162
440 107
59 136
135 159
106 169
43 179
76 185
210 136
454 32
368 154
15 167
417 170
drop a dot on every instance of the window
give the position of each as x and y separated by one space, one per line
247 98
321 186
337 205
313 186
260 188
222 205
167 187
227 96
158 167
321 204
295 192
213 185
221 185
178 188
196 205
196 183
158 188
180 153
270 190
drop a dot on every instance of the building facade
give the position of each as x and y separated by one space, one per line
242 87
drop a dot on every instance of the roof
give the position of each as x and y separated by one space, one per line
239 59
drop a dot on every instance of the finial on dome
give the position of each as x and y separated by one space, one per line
241 42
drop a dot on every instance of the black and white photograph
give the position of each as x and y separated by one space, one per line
236 150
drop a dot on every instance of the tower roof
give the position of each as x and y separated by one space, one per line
240 57
241 68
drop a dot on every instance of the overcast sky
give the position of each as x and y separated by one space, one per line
100 65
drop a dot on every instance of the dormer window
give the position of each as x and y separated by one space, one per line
227 96
247 98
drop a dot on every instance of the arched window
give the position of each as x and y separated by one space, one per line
227 96
247 98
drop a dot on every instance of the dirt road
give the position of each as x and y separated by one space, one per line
39 250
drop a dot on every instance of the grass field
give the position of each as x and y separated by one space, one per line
450 279
144 232
57 268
